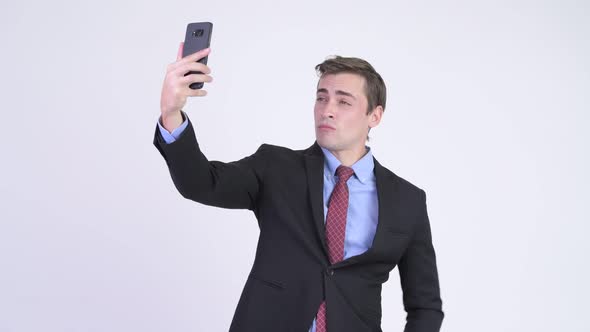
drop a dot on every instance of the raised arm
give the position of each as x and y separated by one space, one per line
230 185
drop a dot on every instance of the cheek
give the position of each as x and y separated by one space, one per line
318 112
353 119
356 124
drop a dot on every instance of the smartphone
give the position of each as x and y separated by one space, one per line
198 37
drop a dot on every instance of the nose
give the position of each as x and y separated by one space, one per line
327 111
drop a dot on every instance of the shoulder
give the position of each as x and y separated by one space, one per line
279 159
281 152
402 186
270 148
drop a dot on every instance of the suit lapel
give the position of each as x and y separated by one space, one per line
386 186
385 195
314 165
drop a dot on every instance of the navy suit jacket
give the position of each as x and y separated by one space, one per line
291 274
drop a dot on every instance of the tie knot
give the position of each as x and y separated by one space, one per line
344 173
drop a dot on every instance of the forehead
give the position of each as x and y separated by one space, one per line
348 82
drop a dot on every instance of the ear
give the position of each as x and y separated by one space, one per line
375 116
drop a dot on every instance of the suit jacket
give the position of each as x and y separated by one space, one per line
291 273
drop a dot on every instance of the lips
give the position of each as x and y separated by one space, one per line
326 127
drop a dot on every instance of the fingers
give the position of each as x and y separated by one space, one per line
190 73
193 66
195 93
189 58
179 54
198 55
195 78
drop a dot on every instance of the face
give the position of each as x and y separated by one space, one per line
341 119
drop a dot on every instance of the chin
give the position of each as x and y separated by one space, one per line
327 144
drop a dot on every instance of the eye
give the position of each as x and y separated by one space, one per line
320 98
344 102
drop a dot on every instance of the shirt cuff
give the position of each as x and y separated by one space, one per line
170 137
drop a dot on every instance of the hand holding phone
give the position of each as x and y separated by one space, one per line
189 69
197 38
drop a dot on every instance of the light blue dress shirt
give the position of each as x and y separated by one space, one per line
362 214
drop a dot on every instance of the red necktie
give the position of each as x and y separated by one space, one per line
335 230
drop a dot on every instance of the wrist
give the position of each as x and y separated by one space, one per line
171 121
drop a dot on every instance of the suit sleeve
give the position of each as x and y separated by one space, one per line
234 185
419 278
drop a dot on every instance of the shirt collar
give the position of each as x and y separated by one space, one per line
363 168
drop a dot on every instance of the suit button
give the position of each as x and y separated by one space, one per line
329 271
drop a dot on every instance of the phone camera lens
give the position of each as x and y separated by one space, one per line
198 32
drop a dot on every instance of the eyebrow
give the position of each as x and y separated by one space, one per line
338 92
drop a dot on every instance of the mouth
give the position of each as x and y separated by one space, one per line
326 127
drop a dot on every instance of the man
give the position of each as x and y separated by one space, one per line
333 221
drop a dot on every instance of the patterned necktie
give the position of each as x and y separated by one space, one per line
335 230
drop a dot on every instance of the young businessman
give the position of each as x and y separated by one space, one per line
333 222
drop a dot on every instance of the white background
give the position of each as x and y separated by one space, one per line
487 111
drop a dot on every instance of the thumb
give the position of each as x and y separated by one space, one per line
180 48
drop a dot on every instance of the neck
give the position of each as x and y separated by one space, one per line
349 157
